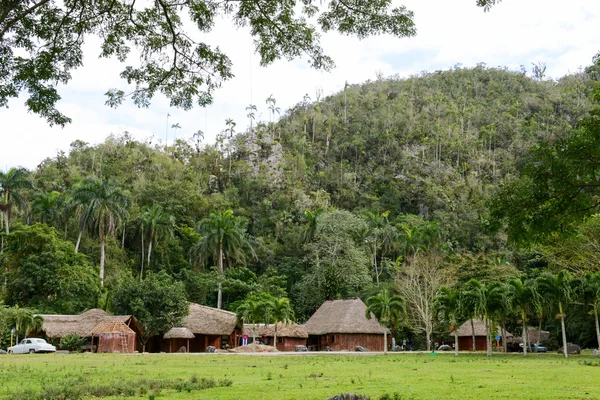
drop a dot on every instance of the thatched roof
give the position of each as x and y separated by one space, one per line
179 333
479 325
532 336
204 320
57 326
82 325
342 316
283 330
112 325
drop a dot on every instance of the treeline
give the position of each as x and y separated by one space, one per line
342 196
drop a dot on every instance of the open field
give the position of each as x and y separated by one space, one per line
228 376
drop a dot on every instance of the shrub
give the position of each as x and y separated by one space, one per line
72 342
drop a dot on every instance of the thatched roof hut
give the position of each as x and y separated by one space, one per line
343 316
57 326
178 336
465 329
532 336
283 330
179 333
210 321
113 334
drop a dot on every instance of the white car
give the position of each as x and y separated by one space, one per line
32 345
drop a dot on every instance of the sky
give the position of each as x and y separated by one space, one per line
563 35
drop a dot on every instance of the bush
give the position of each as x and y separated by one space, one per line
72 342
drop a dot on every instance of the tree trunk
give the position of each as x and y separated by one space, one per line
6 220
102 258
385 341
220 267
253 337
275 336
78 242
504 344
537 343
473 335
150 251
143 258
564 332
488 337
524 338
456 340
428 339
597 325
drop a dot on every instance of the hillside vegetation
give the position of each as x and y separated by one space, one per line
339 197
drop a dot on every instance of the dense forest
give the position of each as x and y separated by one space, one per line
395 183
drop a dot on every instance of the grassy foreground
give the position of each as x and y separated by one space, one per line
396 376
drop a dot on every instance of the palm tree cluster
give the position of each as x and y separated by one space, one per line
518 300
263 308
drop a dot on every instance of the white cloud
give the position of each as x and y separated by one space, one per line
449 32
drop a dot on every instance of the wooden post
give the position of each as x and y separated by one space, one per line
188 345
92 348
170 345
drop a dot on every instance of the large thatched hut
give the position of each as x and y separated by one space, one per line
465 336
342 325
179 338
288 335
210 326
55 327
114 336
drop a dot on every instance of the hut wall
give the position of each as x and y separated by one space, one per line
465 343
348 341
290 343
111 342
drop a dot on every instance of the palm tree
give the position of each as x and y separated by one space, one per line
230 130
251 114
159 224
251 311
311 224
588 292
485 299
280 310
558 288
24 320
105 210
12 183
523 298
386 309
44 205
175 127
222 236
448 304
380 235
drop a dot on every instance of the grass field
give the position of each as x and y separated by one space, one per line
201 376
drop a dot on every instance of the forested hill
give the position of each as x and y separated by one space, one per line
333 198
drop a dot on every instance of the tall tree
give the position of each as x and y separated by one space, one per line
252 311
44 205
587 290
558 288
524 299
12 184
23 320
280 311
447 302
386 309
222 236
106 207
486 299
159 225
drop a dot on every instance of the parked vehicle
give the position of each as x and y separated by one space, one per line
32 345
541 349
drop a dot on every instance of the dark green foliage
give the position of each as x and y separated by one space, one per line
158 302
44 272
71 342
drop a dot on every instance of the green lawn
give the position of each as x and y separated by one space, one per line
410 376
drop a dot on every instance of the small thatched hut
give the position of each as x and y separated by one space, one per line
58 326
114 336
342 325
210 326
288 335
178 338
465 336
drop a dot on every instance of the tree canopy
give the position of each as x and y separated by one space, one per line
41 43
